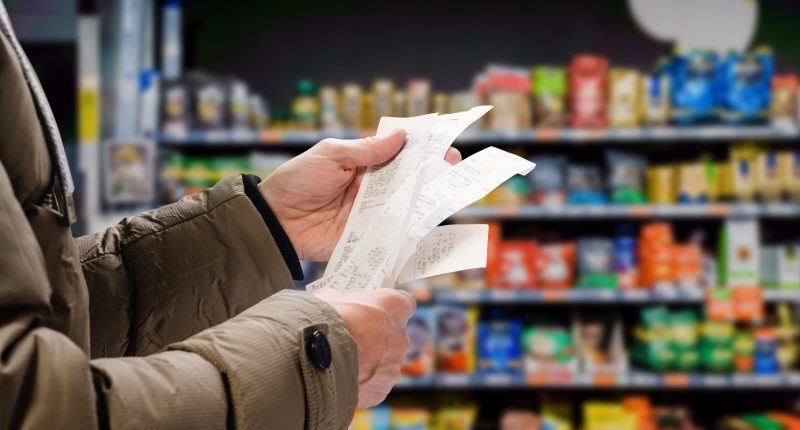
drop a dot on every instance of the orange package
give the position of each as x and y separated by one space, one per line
655 255
517 261
687 265
789 422
640 405
556 265
492 251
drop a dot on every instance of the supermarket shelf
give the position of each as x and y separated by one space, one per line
302 138
777 210
634 380
594 296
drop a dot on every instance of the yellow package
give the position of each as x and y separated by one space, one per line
556 415
456 418
660 185
743 179
690 182
789 174
768 181
624 109
441 103
369 113
713 180
607 416
410 418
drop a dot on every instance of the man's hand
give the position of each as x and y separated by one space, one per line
312 194
377 322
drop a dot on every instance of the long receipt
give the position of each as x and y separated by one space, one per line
392 234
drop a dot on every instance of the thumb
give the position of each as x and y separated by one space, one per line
371 150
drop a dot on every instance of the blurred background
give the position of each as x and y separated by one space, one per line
646 275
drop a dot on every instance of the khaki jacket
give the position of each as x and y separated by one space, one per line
171 319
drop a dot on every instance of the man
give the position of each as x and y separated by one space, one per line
176 318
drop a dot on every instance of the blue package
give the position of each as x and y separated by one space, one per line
584 185
744 87
693 79
500 345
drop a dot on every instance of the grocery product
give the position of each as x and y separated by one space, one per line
768 181
693 87
520 420
419 359
780 267
305 105
549 184
744 347
789 173
556 414
383 91
595 264
656 246
499 344
549 348
508 90
456 418
455 330
626 177
517 264
238 106
687 265
716 347
418 97
400 104
600 344
653 340
409 419
784 100
330 119
352 106
549 86
655 99
788 335
661 185
765 357
259 112
739 258
588 91
584 185
742 168
377 418
744 87
441 103
608 416
625 264
691 183
685 338
624 110
556 265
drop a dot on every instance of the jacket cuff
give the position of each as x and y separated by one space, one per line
274 226
271 378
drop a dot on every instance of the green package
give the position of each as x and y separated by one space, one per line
549 93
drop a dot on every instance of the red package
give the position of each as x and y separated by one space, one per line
656 255
556 265
517 261
587 89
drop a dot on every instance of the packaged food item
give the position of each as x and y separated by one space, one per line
768 181
500 345
259 113
369 113
640 405
766 353
745 81
780 267
399 104
626 177
601 347
463 101
625 259
743 178
549 349
175 106
556 414
587 89
744 347
352 109
608 416
789 422
409 419
653 340
584 185
209 101
456 418
656 245
716 347
549 96
624 110
305 105
422 335
687 265
595 264
508 90
330 117
788 334
556 265
692 87
455 329
514 192
238 106
661 185
441 103
712 179
789 173
280 119
383 91
783 109
691 183
739 258
418 94
685 340
549 186
377 418
655 99
517 263
520 420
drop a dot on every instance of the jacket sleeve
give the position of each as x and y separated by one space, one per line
169 273
249 372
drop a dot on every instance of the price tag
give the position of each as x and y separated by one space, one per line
454 380
676 380
498 379
546 134
553 295
718 211
268 136
604 380
640 211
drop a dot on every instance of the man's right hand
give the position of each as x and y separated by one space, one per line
377 321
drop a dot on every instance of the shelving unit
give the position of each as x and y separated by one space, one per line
776 210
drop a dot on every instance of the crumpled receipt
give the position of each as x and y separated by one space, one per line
392 235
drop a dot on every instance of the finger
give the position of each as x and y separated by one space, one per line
453 156
398 302
368 151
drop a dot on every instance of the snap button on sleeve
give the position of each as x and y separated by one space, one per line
318 349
